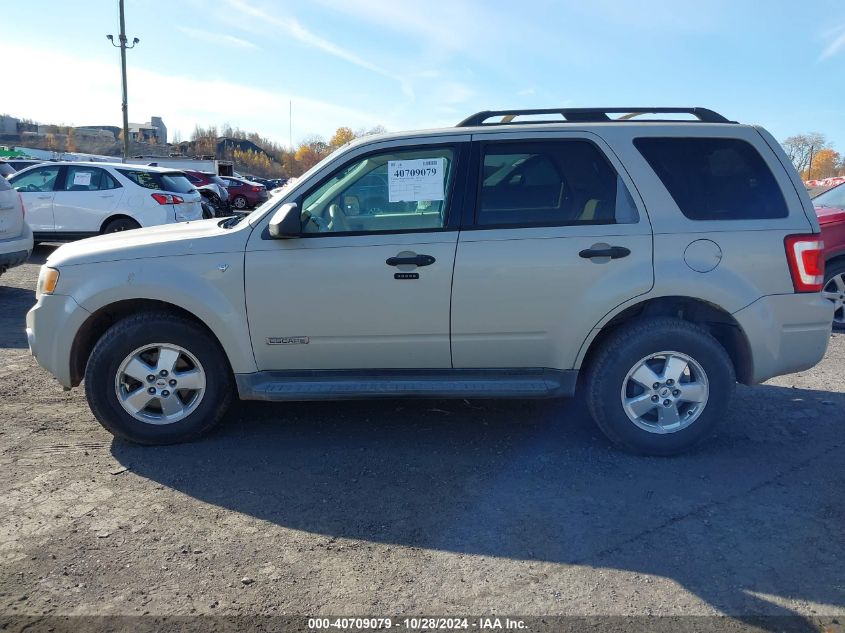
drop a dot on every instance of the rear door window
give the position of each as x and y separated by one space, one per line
550 183
84 178
715 178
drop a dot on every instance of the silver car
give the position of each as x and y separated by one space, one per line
652 264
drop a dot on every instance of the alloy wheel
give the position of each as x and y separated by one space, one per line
665 392
160 383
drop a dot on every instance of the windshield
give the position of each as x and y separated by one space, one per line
831 198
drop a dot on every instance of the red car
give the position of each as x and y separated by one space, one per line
245 194
830 207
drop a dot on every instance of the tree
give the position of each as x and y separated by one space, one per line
341 137
800 146
825 163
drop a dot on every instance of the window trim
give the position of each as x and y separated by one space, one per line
471 222
454 196
699 221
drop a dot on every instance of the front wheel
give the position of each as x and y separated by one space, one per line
658 387
156 378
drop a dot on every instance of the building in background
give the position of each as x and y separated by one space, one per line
153 130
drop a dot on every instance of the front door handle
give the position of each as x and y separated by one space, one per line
43 197
416 260
614 252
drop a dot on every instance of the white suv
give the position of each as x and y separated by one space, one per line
652 264
67 201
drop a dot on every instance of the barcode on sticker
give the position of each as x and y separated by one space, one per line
430 162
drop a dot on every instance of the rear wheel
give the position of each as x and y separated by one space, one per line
120 224
834 290
657 387
156 378
240 203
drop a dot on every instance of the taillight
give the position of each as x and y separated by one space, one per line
23 206
167 198
256 189
806 264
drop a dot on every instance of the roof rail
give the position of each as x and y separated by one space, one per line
589 115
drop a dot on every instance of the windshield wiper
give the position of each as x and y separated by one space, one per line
228 223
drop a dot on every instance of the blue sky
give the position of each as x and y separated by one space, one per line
413 64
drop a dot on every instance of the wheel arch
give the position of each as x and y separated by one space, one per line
117 216
101 320
721 325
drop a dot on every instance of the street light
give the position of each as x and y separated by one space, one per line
123 46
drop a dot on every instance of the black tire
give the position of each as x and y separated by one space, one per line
835 268
624 349
120 224
131 333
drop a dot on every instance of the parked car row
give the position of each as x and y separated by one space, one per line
72 200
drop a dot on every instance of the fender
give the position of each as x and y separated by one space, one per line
209 286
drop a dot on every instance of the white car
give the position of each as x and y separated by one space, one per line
15 235
67 201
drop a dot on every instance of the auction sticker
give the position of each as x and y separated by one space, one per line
415 180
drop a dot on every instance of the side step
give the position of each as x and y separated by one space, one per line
416 383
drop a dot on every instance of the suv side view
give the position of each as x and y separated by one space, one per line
652 263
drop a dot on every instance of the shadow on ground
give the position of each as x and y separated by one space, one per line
755 515
15 302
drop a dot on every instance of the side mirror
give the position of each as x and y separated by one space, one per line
286 222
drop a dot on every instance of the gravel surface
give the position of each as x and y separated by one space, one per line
417 507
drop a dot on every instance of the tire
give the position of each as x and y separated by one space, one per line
208 210
649 345
834 290
145 331
120 224
240 203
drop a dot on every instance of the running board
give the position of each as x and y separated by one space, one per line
406 383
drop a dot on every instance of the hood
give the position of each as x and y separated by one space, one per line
829 215
169 240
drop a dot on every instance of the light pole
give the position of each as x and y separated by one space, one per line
123 46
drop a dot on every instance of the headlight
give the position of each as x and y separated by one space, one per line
48 279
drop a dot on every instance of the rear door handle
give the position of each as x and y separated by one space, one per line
43 197
614 252
416 260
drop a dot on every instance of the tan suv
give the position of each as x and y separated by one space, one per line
652 263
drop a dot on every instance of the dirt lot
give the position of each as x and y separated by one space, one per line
417 507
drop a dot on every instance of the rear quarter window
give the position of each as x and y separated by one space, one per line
174 182
715 178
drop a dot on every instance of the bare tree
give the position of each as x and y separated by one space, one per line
800 147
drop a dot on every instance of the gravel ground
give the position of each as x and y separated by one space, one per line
417 507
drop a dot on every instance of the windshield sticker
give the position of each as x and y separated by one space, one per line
82 178
415 180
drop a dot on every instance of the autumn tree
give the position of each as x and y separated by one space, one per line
341 137
825 163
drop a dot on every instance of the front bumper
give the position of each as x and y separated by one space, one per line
787 333
51 327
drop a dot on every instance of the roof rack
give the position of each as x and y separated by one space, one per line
590 115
